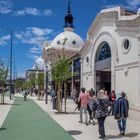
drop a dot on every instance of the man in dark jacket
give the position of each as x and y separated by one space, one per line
121 112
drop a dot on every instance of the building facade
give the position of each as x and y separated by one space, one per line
110 57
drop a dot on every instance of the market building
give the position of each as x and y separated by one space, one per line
110 57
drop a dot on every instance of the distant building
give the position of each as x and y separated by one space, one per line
37 69
110 57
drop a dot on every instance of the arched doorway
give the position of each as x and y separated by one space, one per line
103 67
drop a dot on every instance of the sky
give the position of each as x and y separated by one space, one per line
36 21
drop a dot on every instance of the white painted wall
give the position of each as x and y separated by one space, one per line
129 83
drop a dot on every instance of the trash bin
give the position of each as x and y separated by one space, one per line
54 103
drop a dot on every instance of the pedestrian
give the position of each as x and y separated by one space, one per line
83 99
101 107
121 109
53 94
25 95
112 99
12 92
91 101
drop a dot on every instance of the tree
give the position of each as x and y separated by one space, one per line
3 77
40 80
18 84
60 73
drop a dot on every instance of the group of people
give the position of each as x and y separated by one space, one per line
102 105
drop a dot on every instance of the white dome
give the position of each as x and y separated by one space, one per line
72 40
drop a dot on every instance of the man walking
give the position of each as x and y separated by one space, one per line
121 112
83 98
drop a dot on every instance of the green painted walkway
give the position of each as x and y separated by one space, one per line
27 121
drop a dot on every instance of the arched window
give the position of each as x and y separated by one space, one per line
103 52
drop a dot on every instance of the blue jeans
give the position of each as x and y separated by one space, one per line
81 114
122 124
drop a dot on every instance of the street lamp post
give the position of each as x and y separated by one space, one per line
46 73
11 56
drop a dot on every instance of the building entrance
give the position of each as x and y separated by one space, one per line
103 67
103 80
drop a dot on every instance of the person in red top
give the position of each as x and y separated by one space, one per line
83 98
112 99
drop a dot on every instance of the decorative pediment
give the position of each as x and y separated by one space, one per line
100 18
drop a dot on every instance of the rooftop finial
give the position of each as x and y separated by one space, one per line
69 18
69 2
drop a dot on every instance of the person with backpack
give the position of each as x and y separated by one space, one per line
121 109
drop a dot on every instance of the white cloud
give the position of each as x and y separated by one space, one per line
35 50
133 4
4 39
28 11
34 35
33 56
40 32
130 5
48 12
33 11
5 7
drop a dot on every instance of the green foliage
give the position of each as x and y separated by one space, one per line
26 85
18 84
32 82
3 73
40 80
61 71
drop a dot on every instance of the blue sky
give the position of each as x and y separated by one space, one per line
36 21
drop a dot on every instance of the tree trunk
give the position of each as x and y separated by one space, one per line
3 97
65 95
58 98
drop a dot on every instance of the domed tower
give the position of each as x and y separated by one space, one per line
68 39
66 42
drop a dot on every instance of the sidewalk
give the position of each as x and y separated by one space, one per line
4 109
69 122
79 131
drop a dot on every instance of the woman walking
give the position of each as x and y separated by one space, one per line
101 107
91 101
112 99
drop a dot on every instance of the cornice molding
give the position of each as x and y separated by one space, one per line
128 65
100 18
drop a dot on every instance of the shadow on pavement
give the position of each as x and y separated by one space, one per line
132 134
74 132
1 129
